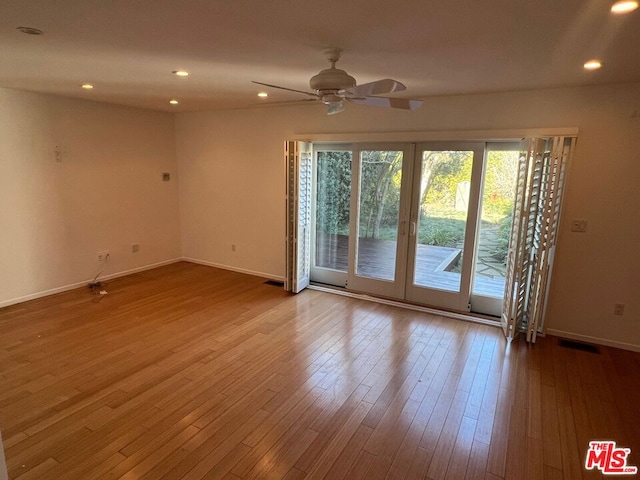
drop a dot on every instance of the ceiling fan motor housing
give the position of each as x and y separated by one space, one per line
332 79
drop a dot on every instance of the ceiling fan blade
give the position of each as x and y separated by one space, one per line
378 87
285 88
335 107
302 101
403 103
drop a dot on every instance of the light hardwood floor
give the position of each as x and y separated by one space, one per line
189 372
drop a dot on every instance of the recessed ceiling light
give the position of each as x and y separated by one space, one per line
173 101
180 73
593 64
263 94
87 86
624 6
30 30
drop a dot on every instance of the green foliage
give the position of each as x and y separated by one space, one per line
380 180
333 192
495 208
500 174
499 185
446 170
442 232
501 251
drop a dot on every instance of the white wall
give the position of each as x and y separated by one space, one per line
232 185
105 194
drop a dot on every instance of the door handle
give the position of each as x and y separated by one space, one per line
412 230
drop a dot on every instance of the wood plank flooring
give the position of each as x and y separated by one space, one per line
190 372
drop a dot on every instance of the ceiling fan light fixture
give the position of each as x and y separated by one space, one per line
180 73
263 94
329 98
624 6
87 86
174 101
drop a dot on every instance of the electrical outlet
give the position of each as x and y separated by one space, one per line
103 256
61 152
135 247
618 309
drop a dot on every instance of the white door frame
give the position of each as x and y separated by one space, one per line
385 288
458 301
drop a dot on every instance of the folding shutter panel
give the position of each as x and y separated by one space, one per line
299 169
534 237
516 260
535 224
547 224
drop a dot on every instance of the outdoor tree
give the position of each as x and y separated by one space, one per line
380 180
442 171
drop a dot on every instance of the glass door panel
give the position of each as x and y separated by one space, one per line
332 216
443 219
379 210
494 230
444 205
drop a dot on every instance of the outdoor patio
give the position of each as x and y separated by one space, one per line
435 266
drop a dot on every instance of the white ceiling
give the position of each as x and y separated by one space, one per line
128 48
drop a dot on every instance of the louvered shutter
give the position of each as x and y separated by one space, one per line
535 223
299 170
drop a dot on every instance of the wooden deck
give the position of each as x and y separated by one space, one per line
376 258
188 372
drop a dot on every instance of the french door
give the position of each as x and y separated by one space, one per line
400 221
443 224
467 226
361 217
380 202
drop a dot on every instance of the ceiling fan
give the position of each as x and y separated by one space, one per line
333 87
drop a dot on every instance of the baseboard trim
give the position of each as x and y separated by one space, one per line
254 273
596 340
73 286
408 306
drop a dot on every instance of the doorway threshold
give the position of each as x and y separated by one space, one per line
467 317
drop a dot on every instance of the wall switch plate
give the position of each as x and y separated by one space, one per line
618 309
579 226
135 247
166 177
